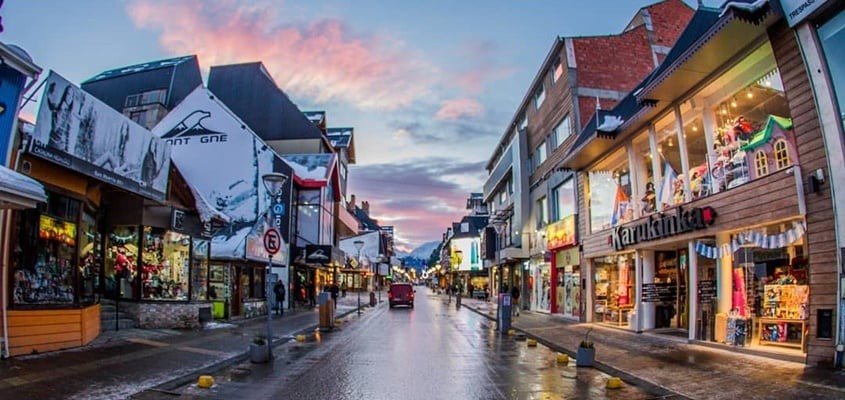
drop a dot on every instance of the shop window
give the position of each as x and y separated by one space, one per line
761 164
121 266
90 258
43 260
645 172
670 189
165 265
614 289
609 192
199 269
696 148
781 155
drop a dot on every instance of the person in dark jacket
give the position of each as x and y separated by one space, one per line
515 298
279 291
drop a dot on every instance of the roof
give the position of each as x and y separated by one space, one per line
317 117
340 137
18 190
147 66
762 136
367 222
314 170
477 223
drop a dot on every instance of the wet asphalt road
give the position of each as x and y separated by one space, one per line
433 351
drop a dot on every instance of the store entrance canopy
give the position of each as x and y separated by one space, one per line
18 191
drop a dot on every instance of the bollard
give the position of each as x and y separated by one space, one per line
614 383
205 381
562 358
532 342
300 338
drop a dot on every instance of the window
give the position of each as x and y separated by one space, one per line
132 100
539 96
609 193
199 269
531 165
542 213
165 264
645 171
540 154
670 190
563 200
522 124
832 37
562 131
557 70
148 97
761 164
781 154
121 267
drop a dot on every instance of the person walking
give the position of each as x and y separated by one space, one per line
279 291
334 290
312 294
515 297
343 288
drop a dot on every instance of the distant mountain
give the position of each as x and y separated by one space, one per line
400 254
424 251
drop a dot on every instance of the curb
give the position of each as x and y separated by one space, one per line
652 387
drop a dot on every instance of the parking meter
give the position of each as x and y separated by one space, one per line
503 313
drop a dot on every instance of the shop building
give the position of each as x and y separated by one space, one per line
820 29
565 270
698 208
527 188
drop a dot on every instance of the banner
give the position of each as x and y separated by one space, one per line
751 237
78 131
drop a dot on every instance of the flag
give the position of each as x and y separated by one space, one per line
667 184
620 205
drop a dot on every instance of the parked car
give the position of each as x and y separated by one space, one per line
401 294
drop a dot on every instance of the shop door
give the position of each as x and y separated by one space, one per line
237 300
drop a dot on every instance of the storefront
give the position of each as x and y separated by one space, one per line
539 294
714 178
561 242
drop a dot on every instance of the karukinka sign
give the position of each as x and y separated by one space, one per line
661 226
78 131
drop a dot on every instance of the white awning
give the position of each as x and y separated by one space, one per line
19 191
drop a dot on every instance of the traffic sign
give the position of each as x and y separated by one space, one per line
272 241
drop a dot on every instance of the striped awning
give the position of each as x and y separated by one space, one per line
755 238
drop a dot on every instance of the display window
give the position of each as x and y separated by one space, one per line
43 262
121 266
670 189
218 277
568 293
544 287
614 280
645 171
199 269
90 258
609 192
165 264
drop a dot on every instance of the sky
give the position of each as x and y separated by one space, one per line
429 86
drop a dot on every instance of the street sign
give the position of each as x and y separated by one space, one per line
272 241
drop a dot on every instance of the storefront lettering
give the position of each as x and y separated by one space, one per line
662 226
218 138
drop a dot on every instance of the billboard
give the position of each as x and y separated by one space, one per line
224 160
466 254
76 130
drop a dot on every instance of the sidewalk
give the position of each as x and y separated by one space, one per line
690 370
120 363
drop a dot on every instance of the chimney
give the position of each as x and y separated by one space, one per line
365 205
351 206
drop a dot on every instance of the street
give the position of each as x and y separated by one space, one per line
433 351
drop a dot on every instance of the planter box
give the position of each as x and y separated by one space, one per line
585 357
258 353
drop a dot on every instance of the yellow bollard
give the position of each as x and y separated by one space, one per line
338 322
205 381
300 338
562 358
614 383
532 342
511 332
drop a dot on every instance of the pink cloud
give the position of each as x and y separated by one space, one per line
474 81
323 60
460 108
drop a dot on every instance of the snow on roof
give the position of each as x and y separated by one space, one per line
744 6
15 182
339 137
610 123
310 167
205 209
230 247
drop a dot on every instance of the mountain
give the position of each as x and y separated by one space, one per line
424 251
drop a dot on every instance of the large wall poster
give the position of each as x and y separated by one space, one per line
78 131
224 160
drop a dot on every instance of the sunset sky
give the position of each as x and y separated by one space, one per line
429 86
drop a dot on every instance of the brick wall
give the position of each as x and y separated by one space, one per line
669 19
169 315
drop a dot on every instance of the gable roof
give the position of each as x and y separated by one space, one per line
147 66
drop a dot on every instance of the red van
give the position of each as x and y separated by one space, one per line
401 294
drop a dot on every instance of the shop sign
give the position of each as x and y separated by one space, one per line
569 256
659 292
798 10
561 233
318 254
77 131
706 291
662 226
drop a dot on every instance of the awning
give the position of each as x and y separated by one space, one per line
18 191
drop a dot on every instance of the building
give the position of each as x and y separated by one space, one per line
527 188
721 226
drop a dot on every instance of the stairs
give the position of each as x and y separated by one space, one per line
110 320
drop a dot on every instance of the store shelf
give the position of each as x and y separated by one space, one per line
781 332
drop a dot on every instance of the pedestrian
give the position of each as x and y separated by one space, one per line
343 288
486 293
279 291
312 293
334 290
515 297
470 290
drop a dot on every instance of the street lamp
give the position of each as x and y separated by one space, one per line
359 244
274 182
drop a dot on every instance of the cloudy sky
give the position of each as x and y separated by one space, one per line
429 86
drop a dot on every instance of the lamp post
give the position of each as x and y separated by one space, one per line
358 245
274 182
